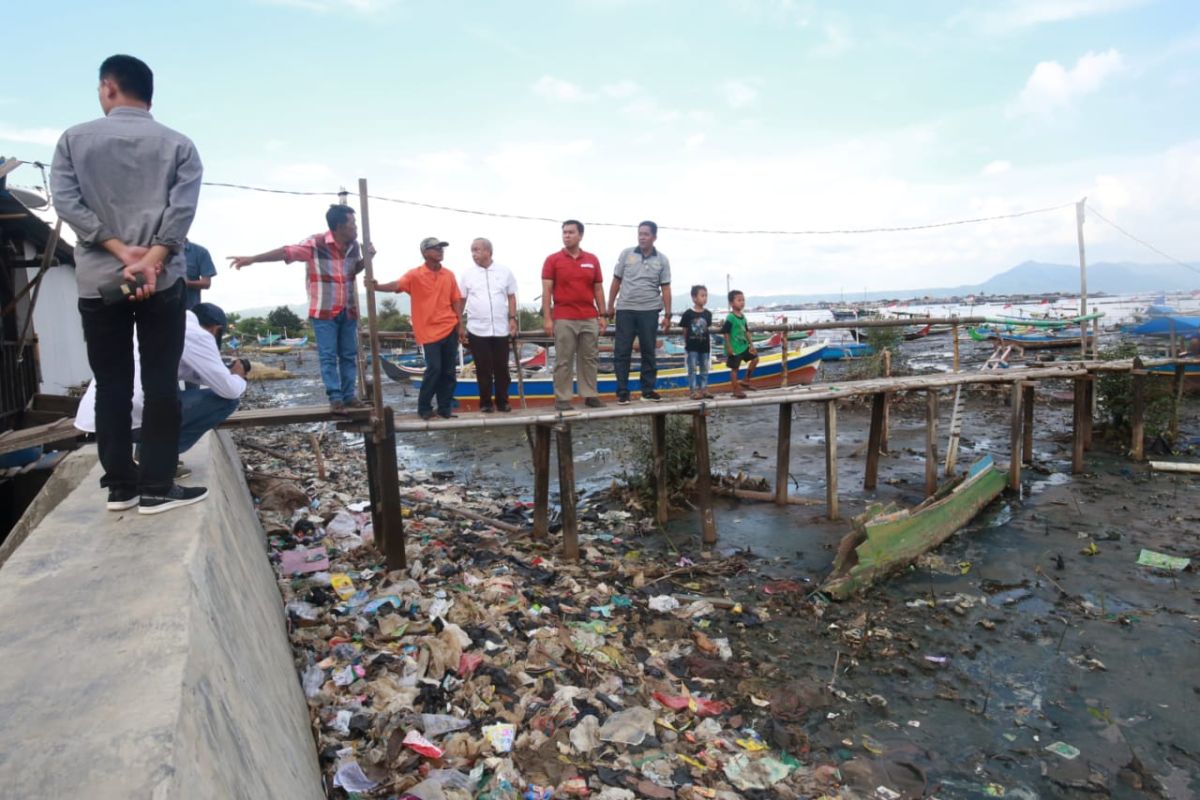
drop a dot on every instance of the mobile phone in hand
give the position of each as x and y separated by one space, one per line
120 291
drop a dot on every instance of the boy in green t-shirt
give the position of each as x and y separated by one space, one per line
738 347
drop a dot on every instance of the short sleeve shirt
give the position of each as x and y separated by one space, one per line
199 265
486 291
739 335
434 294
575 280
695 330
642 278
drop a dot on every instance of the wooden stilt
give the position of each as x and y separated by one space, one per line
658 436
931 438
566 492
887 403
1176 399
783 454
1014 441
541 481
516 348
831 467
386 516
1077 426
954 331
955 431
704 494
1029 391
1137 423
784 359
1089 406
874 438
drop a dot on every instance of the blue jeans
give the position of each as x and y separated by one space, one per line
644 325
337 349
697 366
441 359
202 410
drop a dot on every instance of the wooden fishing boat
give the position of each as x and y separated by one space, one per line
885 540
277 350
539 388
269 339
299 341
1191 375
846 350
1042 340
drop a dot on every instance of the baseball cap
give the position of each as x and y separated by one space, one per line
210 314
432 241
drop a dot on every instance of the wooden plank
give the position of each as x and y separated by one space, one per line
1137 422
955 432
1089 406
11 441
1077 426
704 495
541 481
658 437
831 467
954 331
293 415
874 437
566 492
1176 400
887 403
931 437
1029 392
1014 441
783 454
766 497
1175 466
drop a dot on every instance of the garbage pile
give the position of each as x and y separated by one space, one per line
491 668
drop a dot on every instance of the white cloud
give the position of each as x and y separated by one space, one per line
1007 16
42 136
621 89
1051 86
557 89
996 168
694 141
738 94
836 41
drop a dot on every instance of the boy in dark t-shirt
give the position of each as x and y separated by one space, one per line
738 347
695 323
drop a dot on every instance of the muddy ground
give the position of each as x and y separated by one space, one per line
1033 626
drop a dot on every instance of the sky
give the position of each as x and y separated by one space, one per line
776 115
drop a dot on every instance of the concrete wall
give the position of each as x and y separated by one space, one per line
147 656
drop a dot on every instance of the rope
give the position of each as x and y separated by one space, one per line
1142 242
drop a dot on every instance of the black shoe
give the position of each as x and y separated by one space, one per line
503 408
122 499
447 415
425 415
622 398
486 408
338 408
176 497
594 402
651 395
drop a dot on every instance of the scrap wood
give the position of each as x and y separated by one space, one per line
1175 466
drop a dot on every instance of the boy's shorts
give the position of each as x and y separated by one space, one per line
736 360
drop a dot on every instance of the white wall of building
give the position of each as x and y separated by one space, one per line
61 350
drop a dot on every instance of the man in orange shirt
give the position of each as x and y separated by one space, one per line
437 307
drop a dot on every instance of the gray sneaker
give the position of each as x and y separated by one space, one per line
594 402
176 497
563 405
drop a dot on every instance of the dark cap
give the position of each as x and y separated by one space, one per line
210 314
432 241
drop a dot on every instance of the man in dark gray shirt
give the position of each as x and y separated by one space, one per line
641 288
128 187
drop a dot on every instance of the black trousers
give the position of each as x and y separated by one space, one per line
441 359
491 367
108 331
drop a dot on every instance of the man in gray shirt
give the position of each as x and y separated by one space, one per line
128 187
641 288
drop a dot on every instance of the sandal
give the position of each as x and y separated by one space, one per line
740 395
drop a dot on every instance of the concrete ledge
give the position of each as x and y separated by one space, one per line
147 656
69 474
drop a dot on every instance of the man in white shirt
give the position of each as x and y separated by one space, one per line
490 292
204 406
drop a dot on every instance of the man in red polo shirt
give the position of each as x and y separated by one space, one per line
436 314
571 278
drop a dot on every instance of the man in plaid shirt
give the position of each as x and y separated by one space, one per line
333 260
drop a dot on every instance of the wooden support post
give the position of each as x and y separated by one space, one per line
954 331
566 492
783 454
320 458
1089 389
541 481
887 403
704 493
1028 394
386 515
874 437
955 431
831 466
372 319
931 438
783 362
658 438
516 348
1077 426
1137 424
1176 399
1014 441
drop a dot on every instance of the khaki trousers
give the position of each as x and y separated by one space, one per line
575 340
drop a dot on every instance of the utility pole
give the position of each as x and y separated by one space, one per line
1083 326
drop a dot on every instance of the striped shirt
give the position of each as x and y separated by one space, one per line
331 273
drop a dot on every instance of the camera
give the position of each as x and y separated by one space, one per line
245 363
